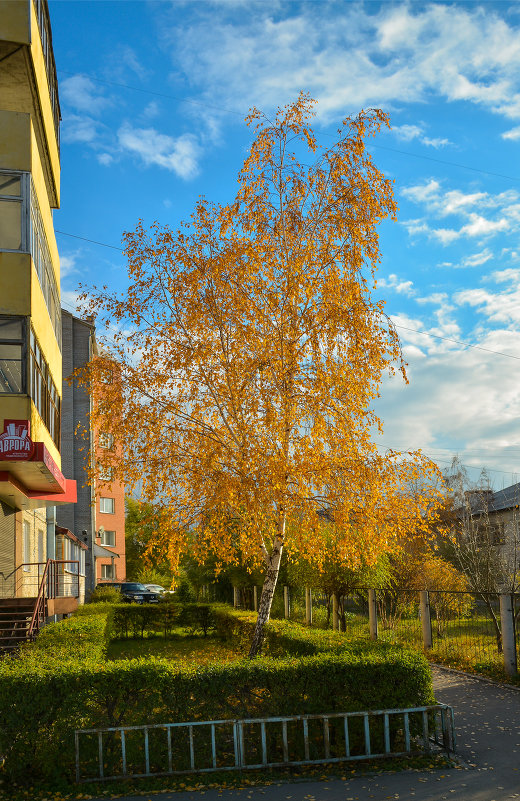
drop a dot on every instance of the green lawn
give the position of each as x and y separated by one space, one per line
180 647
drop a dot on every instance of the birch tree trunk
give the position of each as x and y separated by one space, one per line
266 599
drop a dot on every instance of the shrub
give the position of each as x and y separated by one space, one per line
133 620
76 639
197 617
62 683
105 595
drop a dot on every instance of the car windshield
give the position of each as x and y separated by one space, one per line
134 588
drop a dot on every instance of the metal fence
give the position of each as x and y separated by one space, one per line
223 745
465 631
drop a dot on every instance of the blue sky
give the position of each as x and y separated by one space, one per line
153 99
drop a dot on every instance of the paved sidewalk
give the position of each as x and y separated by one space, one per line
487 720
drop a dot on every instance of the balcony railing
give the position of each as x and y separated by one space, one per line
42 14
60 578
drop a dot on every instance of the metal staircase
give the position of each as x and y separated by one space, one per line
56 584
16 622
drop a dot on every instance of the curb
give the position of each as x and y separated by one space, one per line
475 676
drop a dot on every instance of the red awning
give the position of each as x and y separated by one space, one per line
16 494
29 476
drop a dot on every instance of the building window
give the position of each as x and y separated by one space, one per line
12 208
108 572
81 562
12 354
107 506
106 473
44 25
43 263
26 545
106 441
42 390
108 538
22 230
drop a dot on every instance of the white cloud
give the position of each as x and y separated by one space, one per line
409 132
434 297
511 274
127 57
467 206
477 259
444 203
151 110
83 95
513 133
80 129
401 287
346 57
68 264
105 158
445 235
465 398
70 300
436 142
502 306
479 226
179 155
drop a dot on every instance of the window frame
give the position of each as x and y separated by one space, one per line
113 504
106 436
33 240
23 343
110 568
24 200
106 544
106 474
47 400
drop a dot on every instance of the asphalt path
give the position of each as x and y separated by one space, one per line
487 721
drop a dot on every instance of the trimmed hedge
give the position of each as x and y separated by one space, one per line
134 620
43 699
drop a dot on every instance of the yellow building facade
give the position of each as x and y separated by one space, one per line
31 481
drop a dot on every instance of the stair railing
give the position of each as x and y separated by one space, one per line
38 615
51 587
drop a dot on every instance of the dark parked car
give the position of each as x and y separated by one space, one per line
132 591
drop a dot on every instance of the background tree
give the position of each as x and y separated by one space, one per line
485 549
336 576
244 389
143 562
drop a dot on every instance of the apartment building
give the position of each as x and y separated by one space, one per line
98 517
32 483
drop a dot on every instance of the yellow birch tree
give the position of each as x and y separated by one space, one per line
251 356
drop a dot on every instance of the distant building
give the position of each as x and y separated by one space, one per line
98 517
496 515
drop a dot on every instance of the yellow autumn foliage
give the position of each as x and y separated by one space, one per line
249 354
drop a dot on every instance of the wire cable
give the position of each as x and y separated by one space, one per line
84 239
241 114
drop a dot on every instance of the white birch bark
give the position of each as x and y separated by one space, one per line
273 561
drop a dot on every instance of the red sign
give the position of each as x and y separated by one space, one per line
15 442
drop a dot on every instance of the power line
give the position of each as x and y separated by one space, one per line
379 444
445 461
84 239
458 342
156 94
241 114
403 327
443 161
